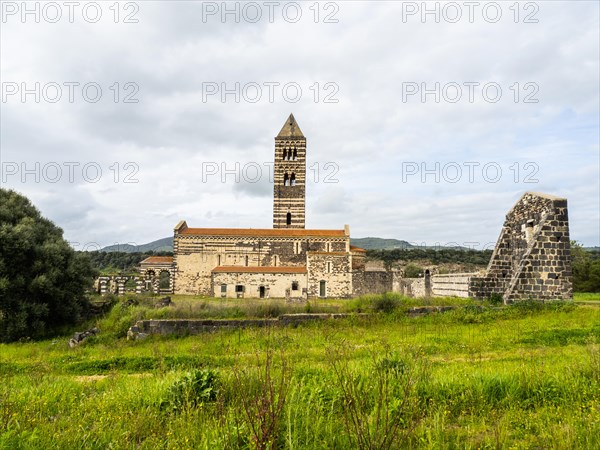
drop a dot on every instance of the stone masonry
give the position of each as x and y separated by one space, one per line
532 258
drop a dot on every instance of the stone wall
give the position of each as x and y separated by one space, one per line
532 258
331 270
372 282
183 327
274 285
412 287
451 285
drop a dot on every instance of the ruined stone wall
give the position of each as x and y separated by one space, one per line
532 257
412 287
372 282
334 268
276 285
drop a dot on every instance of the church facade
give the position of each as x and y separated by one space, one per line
287 260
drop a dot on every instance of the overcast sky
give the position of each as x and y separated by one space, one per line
422 127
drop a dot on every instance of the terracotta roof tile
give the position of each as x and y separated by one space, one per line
158 260
258 232
353 248
263 269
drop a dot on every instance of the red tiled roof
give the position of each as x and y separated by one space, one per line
269 232
262 269
353 248
158 260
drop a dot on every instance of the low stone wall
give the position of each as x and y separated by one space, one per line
452 284
183 327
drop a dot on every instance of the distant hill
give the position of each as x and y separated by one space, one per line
166 245
161 245
374 243
368 243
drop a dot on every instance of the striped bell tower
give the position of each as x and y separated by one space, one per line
289 202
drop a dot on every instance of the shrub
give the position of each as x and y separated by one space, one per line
194 388
496 299
413 271
385 303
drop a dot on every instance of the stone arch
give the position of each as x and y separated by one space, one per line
165 280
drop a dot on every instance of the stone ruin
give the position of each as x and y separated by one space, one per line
532 258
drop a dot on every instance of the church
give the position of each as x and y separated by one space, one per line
287 260
531 258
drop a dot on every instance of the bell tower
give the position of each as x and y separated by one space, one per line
289 176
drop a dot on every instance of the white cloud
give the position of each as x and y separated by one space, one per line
369 134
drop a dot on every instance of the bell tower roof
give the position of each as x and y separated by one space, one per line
290 129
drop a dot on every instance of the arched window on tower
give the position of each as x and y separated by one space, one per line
295 157
289 154
286 179
284 154
293 180
288 219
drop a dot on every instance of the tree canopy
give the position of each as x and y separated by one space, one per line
43 281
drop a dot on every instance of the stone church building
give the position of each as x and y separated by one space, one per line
531 259
287 260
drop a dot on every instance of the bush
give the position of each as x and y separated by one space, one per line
496 299
385 303
413 271
194 388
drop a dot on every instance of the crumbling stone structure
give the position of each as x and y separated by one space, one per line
153 269
532 258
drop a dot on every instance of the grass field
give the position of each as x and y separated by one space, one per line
525 376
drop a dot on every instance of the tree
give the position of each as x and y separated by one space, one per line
42 279
586 271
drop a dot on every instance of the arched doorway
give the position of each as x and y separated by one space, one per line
164 282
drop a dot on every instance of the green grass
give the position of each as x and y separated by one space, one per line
586 296
520 377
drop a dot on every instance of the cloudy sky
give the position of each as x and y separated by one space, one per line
425 122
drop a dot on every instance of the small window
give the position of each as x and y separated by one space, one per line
246 261
288 219
294 286
295 157
286 179
284 154
223 289
322 288
328 267
293 180
239 288
275 260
